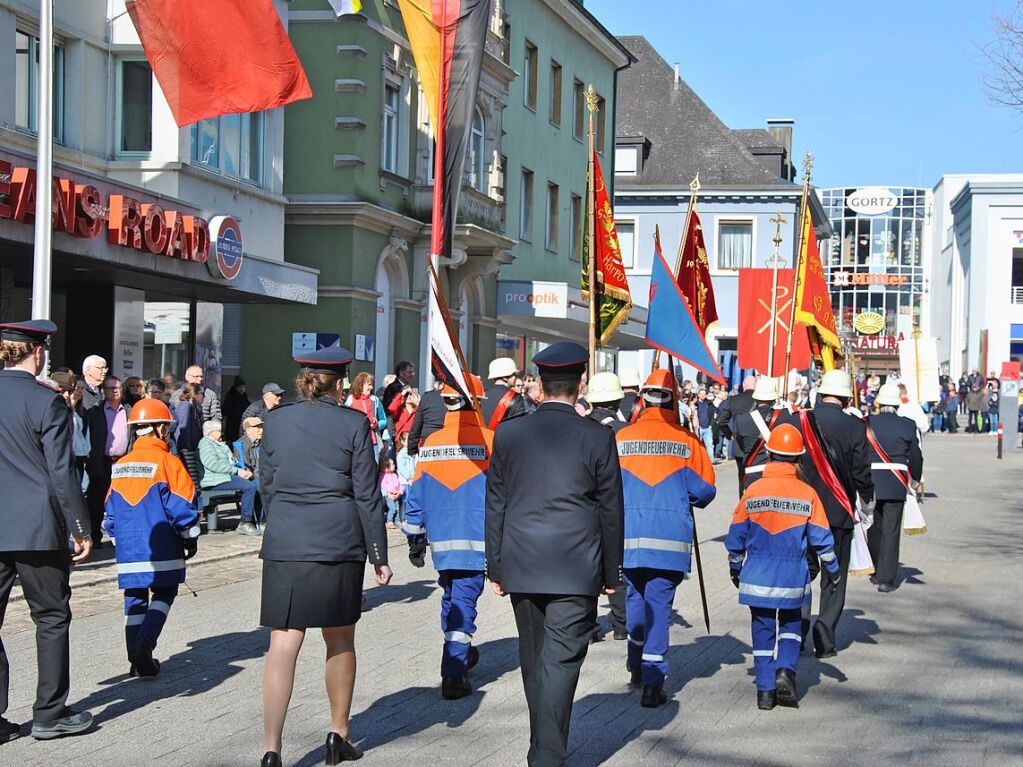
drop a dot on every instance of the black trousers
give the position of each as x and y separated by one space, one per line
831 605
96 496
883 540
45 580
554 635
617 603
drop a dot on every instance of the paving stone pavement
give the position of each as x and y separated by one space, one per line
929 675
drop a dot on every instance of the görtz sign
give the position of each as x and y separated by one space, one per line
82 210
871 200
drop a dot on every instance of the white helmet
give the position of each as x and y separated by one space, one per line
629 377
604 387
502 367
836 383
889 395
766 390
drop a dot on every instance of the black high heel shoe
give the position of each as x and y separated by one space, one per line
340 750
271 759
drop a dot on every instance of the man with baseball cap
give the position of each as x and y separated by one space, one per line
272 396
502 403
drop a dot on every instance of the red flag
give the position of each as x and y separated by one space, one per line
219 57
755 323
694 275
813 300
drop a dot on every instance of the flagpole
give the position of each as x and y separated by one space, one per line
916 356
42 261
775 261
591 233
804 210
694 190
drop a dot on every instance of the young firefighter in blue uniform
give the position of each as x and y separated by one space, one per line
446 505
665 472
152 516
777 517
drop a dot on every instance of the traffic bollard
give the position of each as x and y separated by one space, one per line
999 442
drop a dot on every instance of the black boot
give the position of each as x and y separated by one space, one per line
785 681
340 750
474 657
455 687
766 699
653 696
142 659
270 759
635 678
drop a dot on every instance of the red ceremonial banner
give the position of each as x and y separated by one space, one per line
694 275
813 300
755 323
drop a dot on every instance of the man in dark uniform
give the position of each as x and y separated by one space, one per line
844 440
606 395
428 419
631 403
729 411
502 403
751 428
42 513
896 459
554 526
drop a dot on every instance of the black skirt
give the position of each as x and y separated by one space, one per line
302 595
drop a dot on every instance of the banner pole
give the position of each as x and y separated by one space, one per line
804 211
442 305
591 234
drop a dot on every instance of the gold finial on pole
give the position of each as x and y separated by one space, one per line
807 165
778 220
591 99
694 185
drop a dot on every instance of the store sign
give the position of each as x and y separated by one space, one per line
533 299
84 211
225 247
848 279
868 323
878 344
871 200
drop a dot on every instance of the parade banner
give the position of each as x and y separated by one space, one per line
671 326
448 38
813 300
218 57
615 299
755 323
445 361
694 275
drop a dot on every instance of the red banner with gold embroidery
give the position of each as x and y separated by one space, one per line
813 300
694 275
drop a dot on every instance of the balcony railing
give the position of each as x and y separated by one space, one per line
1017 294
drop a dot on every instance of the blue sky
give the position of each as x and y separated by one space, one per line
882 92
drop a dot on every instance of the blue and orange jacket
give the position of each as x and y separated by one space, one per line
150 508
447 498
665 471
777 517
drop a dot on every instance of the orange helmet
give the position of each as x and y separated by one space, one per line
785 440
149 410
659 379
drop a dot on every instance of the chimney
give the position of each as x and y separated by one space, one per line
677 78
781 131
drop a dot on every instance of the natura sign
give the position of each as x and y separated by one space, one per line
871 200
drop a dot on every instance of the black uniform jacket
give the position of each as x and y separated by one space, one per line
516 408
730 411
630 404
555 508
844 438
320 485
746 436
42 495
428 419
899 440
608 418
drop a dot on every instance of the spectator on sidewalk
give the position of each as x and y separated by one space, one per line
71 388
365 401
393 492
247 449
964 389
405 463
210 403
976 402
272 396
221 473
94 370
404 377
134 390
233 407
107 425
188 418
952 405
406 414
704 421
991 416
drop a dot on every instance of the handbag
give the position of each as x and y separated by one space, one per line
913 522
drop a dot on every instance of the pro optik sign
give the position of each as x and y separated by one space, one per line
82 210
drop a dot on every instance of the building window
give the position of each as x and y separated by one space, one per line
627 242
231 145
529 71
551 236
476 173
506 36
579 109
735 244
136 107
389 139
599 119
575 226
626 160
555 103
26 88
526 206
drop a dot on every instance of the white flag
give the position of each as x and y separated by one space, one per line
341 7
443 359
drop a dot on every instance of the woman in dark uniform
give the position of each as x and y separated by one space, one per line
324 517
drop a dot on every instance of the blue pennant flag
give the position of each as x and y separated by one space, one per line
670 325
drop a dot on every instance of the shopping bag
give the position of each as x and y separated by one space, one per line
912 517
860 562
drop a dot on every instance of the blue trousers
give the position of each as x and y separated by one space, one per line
774 630
648 617
248 489
462 589
144 617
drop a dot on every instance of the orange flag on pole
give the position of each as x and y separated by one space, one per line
813 301
219 57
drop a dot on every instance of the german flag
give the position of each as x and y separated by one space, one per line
447 39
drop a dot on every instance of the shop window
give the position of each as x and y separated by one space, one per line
135 86
526 206
551 235
389 140
167 339
735 245
627 242
575 227
476 170
578 109
529 73
26 85
231 145
555 100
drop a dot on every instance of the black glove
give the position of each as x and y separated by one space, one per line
735 577
833 581
191 547
417 550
